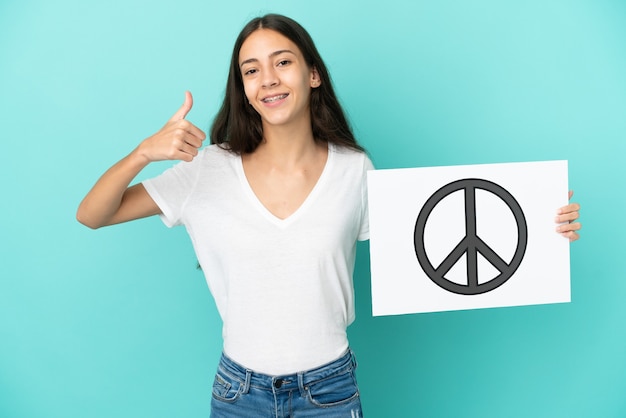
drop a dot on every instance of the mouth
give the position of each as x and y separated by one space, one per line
272 99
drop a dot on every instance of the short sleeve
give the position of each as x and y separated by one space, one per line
171 190
364 232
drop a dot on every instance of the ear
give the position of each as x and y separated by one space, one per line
315 81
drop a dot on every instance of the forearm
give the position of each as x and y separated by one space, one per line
104 200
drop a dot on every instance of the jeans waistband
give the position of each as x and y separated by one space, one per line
288 382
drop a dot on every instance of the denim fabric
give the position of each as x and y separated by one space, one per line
329 391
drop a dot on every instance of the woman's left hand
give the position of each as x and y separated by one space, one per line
566 216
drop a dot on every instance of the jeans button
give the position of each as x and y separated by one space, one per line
278 383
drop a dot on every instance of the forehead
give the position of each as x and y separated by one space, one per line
263 42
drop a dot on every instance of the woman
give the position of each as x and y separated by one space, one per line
274 208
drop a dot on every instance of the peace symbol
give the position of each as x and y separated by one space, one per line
471 244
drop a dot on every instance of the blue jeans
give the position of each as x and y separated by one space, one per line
328 391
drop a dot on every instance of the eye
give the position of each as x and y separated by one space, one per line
250 71
282 63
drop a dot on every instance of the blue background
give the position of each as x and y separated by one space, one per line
119 323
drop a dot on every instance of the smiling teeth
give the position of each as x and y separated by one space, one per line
273 99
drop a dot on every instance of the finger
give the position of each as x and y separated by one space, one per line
184 144
189 149
572 236
184 109
188 129
183 134
196 132
193 141
567 217
570 194
180 154
574 226
572 207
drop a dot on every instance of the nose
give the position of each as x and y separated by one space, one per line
270 78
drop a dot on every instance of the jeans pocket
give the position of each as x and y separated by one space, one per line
334 390
226 388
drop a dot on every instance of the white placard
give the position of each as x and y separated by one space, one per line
467 237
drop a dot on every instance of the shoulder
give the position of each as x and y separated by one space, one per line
349 157
217 151
215 155
209 159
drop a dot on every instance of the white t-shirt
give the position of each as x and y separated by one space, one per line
282 287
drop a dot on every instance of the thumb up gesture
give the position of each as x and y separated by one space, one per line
179 139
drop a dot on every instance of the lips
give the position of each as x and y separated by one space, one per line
272 99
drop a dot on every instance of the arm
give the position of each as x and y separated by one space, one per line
569 214
112 201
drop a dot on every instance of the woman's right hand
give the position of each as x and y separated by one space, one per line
179 139
111 201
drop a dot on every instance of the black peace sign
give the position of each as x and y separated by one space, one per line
471 244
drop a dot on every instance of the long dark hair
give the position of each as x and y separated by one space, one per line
239 126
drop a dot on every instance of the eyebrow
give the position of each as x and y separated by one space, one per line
273 54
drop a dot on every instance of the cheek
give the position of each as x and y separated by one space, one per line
250 86
250 93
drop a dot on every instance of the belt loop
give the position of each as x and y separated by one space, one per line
246 385
301 384
355 364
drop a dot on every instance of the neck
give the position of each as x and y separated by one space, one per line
287 144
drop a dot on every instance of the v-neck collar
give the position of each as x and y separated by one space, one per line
265 212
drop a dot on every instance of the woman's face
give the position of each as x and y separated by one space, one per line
277 80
